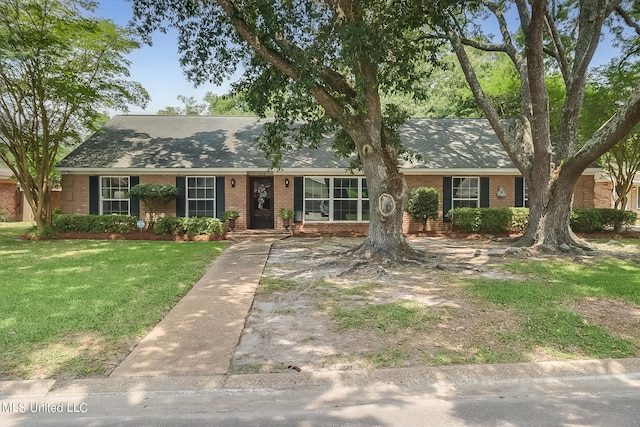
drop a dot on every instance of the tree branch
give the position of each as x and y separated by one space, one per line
559 53
609 134
627 19
328 102
513 145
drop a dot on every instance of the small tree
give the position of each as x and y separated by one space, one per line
59 69
423 204
153 197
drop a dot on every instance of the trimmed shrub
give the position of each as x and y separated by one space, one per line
501 220
495 220
519 219
593 220
465 219
423 205
170 225
64 223
189 226
204 226
489 220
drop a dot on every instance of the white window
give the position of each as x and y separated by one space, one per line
465 192
525 193
114 195
336 199
201 196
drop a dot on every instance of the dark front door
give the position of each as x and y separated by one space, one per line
261 203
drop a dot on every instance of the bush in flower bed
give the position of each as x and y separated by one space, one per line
594 220
65 223
190 226
514 220
482 220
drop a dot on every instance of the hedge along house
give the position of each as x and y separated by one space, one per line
216 165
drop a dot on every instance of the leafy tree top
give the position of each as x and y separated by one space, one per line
60 69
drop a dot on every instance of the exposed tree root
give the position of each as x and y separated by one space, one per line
565 243
374 262
387 256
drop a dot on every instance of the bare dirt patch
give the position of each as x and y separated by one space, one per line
619 317
333 312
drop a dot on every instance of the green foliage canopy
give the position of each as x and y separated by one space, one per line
305 61
59 70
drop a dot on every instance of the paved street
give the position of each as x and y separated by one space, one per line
459 396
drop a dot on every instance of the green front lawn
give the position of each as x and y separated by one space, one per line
548 299
74 307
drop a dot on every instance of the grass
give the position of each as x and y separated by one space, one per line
70 308
269 285
633 242
543 304
387 317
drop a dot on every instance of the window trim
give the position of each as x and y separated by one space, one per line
453 188
188 199
331 198
525 193
103 199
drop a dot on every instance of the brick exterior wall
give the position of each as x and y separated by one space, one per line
584 192
603 194
75 200
331 229
282 197
75 194
9 200
236 198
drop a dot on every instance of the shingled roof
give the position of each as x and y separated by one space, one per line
225 143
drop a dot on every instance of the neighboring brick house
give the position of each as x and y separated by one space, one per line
605 195
217 166
12 201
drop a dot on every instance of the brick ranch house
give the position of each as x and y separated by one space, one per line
216 166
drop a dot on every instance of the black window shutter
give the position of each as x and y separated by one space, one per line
298 197
484 191
134 202
447 183
181 199
519 201
94 195
219 197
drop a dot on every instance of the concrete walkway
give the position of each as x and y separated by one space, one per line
199 335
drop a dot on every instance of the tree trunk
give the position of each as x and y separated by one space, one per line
388 195
549 228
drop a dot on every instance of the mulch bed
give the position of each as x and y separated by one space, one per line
149 235
138 235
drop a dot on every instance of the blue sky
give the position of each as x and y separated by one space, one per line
155 67
158 70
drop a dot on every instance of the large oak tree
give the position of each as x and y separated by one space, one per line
319 66
59 70
558 36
